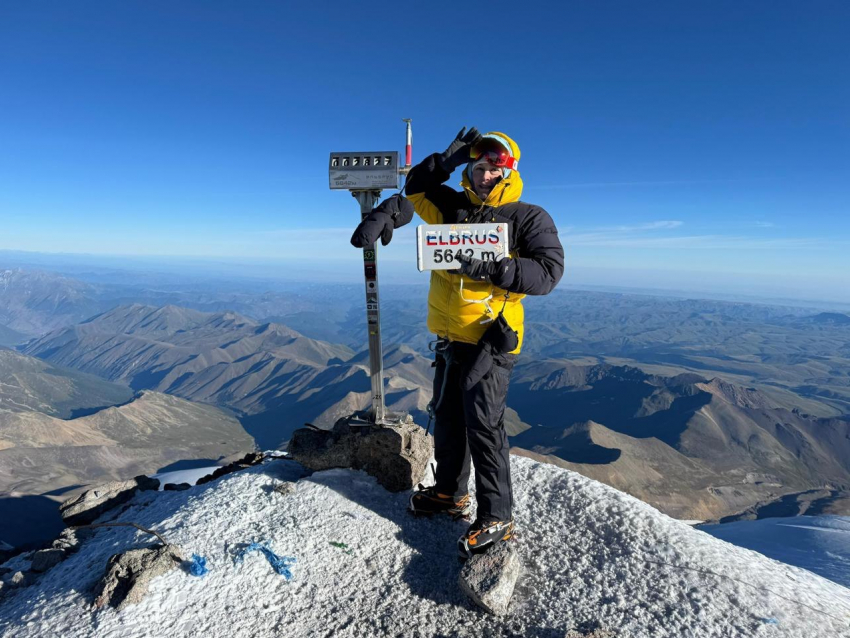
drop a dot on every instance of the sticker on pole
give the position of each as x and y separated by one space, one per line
438 246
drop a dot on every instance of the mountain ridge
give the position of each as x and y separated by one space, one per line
31 384
695 448
717 434
262 371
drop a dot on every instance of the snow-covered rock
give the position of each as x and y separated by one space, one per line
593 557
88 506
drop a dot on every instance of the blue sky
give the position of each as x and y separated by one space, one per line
699 144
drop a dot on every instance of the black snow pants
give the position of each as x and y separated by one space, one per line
472 424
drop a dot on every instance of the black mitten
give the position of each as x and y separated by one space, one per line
480 367
373 226
499 338
393 212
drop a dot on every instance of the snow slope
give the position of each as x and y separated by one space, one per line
592 555
820 544
189 476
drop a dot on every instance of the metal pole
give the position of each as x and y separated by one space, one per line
368 200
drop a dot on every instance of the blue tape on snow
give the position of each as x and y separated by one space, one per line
280 564
198 566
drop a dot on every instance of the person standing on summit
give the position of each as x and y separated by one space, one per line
476 312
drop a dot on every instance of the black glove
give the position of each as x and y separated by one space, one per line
393 212
457 154
476 268
499 338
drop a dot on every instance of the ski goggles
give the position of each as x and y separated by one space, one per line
494 153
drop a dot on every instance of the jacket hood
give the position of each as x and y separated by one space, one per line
509 189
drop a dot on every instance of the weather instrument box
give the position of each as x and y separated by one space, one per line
438 246
364 171
365 175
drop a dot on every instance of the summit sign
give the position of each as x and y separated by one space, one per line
439 246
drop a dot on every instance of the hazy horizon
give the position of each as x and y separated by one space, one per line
394 271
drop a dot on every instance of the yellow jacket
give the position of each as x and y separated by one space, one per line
455 303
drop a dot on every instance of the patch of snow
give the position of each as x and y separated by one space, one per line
820 544
184 476
591 555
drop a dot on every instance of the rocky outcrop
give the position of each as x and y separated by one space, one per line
249 460
18 579
128 575
44 559
285 488
88 506
176 487
69 539
489 579
395 455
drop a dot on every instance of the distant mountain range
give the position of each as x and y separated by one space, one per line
34 302
798 356
695 449
817 502
703 408
274 378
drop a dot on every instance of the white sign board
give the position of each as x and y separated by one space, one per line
438 246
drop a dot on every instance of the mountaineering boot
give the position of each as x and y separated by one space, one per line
482 535
427 500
